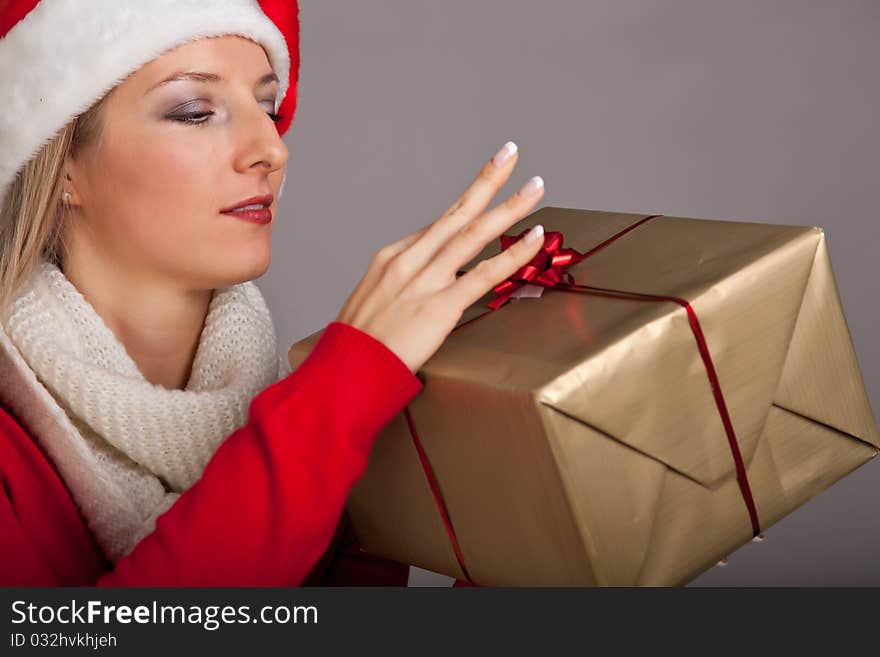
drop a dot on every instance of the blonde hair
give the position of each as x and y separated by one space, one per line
32 215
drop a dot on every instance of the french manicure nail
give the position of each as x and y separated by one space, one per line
536 233
504 154
534 184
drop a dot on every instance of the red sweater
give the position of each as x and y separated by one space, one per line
268 509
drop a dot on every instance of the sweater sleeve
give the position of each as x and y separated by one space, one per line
270 499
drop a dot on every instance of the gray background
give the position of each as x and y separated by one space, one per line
754 110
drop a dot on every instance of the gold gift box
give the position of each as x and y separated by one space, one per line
576 438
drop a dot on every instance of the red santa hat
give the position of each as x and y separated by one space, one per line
58 57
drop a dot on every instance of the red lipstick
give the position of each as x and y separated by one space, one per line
246 210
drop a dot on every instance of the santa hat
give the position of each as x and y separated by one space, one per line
59 57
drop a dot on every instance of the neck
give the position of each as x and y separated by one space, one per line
158 324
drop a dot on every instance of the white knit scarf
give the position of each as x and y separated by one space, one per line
131 447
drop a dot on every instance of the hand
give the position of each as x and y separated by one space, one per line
410 299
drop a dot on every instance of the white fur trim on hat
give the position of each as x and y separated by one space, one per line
65 55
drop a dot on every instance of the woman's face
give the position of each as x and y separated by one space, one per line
171 157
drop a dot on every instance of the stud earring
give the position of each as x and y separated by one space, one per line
66 197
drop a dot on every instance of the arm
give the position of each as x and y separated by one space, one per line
271 498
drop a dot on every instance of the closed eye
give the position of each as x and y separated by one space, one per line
201 118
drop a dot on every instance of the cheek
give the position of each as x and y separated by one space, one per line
157 201
160 190
165 174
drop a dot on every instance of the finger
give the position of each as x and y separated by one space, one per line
471 204
469 242
470 287
490 169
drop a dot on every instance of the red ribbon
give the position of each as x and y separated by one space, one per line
548 269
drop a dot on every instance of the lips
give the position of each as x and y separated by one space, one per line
255 209
265 200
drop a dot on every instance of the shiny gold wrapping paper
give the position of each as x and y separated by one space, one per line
575 437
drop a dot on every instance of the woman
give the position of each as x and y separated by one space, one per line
149 432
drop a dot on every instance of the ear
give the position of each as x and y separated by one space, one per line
70 196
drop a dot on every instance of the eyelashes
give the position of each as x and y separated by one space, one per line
200 118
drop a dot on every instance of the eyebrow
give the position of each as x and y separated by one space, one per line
201 76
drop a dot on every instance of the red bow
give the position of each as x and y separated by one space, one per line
546 269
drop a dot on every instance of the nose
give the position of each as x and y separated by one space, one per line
260 147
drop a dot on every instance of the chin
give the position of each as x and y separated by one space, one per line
239 269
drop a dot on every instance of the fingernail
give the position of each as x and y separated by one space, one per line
536 233
504 154
534 184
